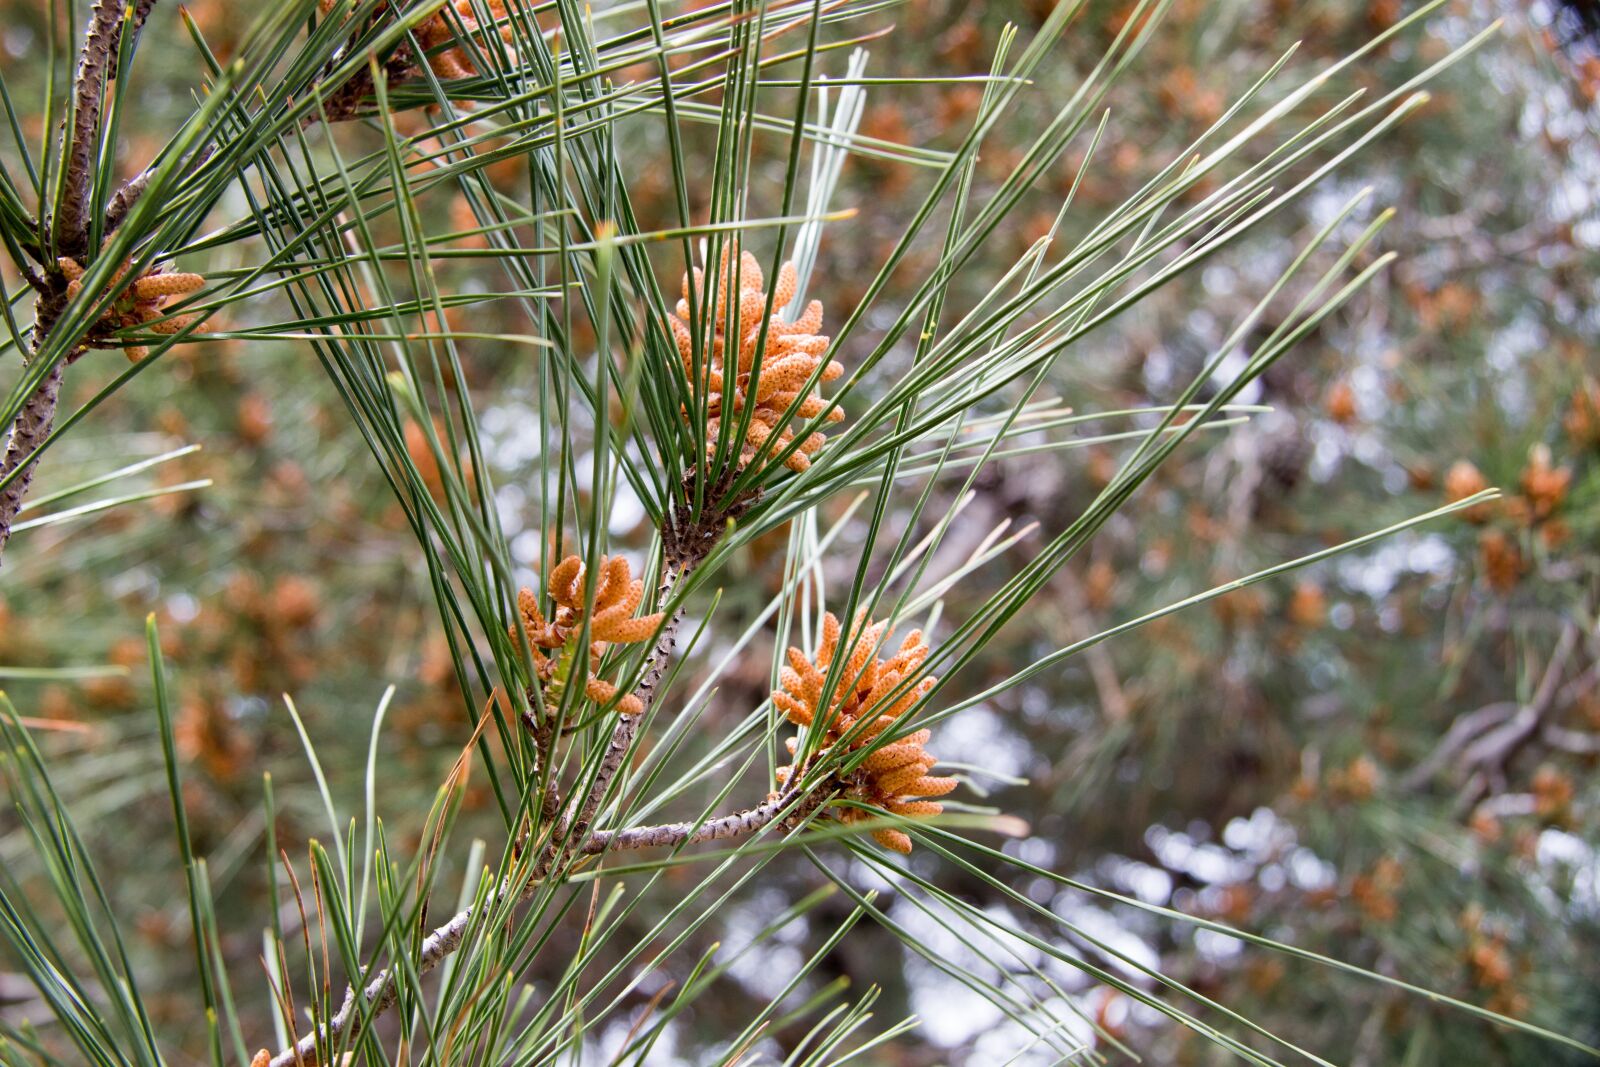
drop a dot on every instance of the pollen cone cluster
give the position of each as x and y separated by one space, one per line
438 31
895 776
615 600
780 368
139 304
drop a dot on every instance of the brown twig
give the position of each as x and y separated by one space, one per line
1482 742
30 274
96 64
127 194
380 993
136 20
543 732
1487 757
33 425
1461 734
96 61
1576 742
352 99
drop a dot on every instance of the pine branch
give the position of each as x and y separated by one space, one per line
1481 744
96 64
727 828
543 732
128 194
622 736
1488 756
380 993
33 425
1462 732
572 837
140 11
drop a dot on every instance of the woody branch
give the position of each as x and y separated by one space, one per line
571 836
627 728
380 993
97 60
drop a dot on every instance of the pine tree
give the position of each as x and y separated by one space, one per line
675 368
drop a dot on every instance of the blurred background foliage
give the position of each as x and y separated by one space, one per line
1388 759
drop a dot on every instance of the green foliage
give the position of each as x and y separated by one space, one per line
473 216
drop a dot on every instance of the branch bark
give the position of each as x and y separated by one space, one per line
380 992
96 61
1482 742
33 425
729 827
